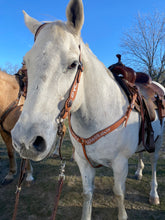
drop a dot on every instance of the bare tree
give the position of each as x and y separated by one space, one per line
144 45
11 68
3 70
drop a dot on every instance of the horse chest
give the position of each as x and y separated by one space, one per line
105 149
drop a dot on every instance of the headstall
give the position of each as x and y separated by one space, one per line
38 30
73 91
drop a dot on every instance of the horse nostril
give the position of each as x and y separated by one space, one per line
39 144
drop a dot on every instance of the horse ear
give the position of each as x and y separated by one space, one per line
75 15
31 23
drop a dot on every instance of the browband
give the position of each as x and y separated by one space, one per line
38 30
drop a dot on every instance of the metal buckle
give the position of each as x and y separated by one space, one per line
62 171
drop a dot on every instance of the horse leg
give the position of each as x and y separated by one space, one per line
120 170
154 197
29 171
12 159
139 172
87 174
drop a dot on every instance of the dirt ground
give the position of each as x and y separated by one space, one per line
36 201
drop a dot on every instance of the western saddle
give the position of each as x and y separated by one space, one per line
149 98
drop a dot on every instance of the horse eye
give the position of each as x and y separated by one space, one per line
73 65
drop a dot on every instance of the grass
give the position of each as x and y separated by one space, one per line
36 202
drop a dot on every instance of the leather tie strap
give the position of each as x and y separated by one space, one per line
18 189
59 190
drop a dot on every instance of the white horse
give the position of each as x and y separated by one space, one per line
154 197
52 63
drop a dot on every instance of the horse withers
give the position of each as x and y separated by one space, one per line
10 109
66 78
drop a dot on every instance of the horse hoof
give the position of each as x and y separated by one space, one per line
29 178
8 178
6 181
71 159
123 217
138 177
154 201
29 183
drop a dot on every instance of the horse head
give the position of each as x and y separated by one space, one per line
52 64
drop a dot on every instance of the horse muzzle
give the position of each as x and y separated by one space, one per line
32 144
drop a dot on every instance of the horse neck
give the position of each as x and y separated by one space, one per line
9 90
103 101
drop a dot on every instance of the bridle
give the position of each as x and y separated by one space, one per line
73 90
74 87
68 103
71 97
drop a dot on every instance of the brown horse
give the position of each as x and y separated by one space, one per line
11 104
